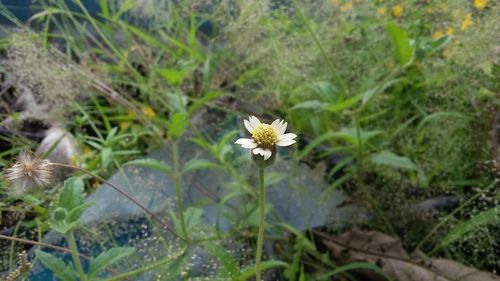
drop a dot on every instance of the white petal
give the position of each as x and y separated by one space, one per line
285 142
249 126
254 121
251 144
288 136
276 124
282 129
247 143
267 154
259 150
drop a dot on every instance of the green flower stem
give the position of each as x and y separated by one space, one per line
260 239
177 181
74 254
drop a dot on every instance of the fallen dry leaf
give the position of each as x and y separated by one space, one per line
388 253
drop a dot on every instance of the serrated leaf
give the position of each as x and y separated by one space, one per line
72 195
62 226
151 163
63 271
229 265
198 164
391 159
108 258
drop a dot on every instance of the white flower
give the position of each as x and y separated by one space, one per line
266 137
29 172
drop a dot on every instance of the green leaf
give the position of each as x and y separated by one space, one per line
265 265
230 267
72 195
63 271
193 217
403 47
108 258
198 164
345 104
76 212
178 125
391 159
484 218
173 76
151 163
62 226
304 242
106 156
438 45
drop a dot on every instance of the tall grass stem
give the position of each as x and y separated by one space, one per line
177 181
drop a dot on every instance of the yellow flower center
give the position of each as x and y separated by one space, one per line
265 136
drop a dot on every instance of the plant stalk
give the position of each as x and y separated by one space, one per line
260 239
74 254
177 181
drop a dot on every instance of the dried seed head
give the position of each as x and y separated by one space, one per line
29 172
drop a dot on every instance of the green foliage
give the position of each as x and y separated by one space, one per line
108 258
484 218
392 114
177 126
69 207
404 49
63 271
151 163
390 159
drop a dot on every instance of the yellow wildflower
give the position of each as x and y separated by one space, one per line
449 31
346 6
148 111
466 22
437 35
397 11
381 11
480 4
429 10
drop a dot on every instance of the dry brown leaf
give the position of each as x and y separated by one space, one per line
388 253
